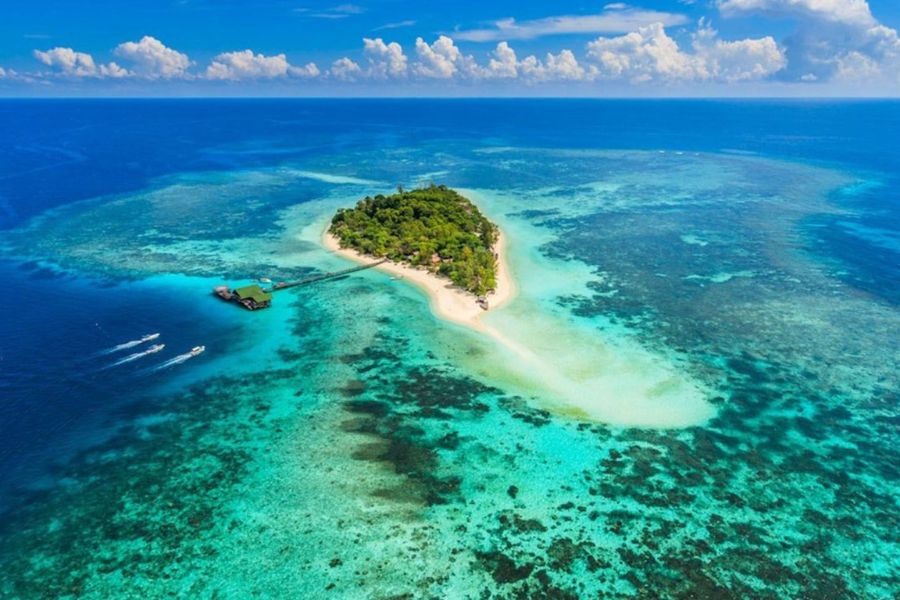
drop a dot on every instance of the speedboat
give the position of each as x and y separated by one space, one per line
197 350
149 337
154 348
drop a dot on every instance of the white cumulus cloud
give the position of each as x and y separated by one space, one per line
556 67
153 59
344 69
443 60
643 55
833 39
244 64
562 66
67 60
114 71
385 60
437 60
740 60
307 71
649 54
503 64
78 64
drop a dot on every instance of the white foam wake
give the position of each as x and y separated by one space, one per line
172 362
136 356
130 344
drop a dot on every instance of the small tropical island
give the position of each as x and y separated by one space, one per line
434 237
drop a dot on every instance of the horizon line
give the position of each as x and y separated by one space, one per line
450 98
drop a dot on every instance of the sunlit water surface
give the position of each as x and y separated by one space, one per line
694 393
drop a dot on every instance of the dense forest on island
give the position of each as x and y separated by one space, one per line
433 227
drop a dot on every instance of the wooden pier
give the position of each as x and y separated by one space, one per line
254 297
282 285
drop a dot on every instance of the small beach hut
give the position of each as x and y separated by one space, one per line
252 297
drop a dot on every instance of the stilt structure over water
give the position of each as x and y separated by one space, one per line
250 297
253 297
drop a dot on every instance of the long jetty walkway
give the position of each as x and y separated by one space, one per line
283 285
253 297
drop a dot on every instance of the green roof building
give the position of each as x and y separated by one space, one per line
253 297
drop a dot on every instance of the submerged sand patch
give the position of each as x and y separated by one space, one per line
568 367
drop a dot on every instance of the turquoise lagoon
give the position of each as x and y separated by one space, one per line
689 397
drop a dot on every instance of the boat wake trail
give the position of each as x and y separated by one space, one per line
195 351
132 357
173 361
126 345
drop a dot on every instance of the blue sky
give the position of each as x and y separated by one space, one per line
390 47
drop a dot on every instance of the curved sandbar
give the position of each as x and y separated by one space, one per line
573 371
447 301
536 352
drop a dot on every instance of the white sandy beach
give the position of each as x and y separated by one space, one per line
573 370
447 301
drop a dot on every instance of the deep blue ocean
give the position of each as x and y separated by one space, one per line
64 305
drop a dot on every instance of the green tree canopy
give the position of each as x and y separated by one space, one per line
433 227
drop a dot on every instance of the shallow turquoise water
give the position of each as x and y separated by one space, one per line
706 411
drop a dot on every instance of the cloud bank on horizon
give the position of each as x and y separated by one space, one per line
827 42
